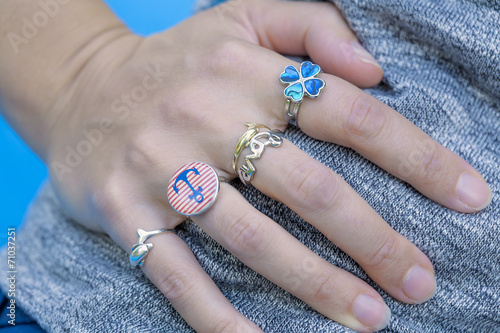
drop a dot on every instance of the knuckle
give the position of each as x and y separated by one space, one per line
108 199
245 235
364 120
225 56
385 253
314 186
324 286
226 325
431 165
139 155
181 110
177 285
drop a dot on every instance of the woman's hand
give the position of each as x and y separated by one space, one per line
140 108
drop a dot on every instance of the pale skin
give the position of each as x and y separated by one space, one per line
198 83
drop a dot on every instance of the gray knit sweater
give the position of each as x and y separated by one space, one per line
442 71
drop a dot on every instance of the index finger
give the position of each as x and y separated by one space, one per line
350 117
346 115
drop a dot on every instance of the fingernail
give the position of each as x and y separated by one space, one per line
419 284
473 192
363 55
371 312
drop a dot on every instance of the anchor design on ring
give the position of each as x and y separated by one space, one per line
197 195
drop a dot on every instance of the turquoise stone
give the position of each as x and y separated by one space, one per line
289 75
308 69
314 86
295 92
305 80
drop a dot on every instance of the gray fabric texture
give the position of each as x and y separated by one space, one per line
442 71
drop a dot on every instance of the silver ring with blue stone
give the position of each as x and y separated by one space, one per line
300 83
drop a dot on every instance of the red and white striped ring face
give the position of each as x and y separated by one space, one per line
193 189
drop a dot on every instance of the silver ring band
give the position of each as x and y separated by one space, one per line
293 116
140 250
252 139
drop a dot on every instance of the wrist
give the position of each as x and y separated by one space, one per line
39 78
91 81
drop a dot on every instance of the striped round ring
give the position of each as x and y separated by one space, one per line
193 189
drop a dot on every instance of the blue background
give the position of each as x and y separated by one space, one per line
21 172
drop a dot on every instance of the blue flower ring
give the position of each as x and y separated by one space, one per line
300 84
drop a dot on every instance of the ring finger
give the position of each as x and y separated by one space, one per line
327 202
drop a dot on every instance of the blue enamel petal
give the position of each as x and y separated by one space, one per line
308 69
314 86
289 75
295 92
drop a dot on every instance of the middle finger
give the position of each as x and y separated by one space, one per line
326 201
